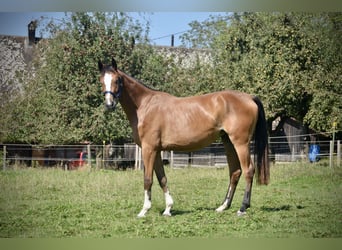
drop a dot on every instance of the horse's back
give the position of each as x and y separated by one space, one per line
235 112
188 123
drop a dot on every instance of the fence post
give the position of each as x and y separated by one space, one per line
89 155
293 159
4 158
171 160
331 153
103 154
338 153
138 163
140 159
136 157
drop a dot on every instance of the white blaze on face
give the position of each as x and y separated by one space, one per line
108 82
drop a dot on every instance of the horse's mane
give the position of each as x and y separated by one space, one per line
138 81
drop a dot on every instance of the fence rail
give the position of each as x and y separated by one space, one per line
129 155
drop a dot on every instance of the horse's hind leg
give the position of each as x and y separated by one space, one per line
248 171
234 171
160 172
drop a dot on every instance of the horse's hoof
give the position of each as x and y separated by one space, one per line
221 208
240 213
167 214
142 214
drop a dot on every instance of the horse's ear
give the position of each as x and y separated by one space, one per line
100 64
114 64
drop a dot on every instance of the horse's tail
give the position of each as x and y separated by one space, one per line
261 146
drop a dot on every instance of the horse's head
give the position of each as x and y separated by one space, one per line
111 84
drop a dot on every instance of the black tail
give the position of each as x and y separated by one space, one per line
261 146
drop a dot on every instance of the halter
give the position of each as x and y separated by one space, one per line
119 92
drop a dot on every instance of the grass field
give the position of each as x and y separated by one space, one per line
302 200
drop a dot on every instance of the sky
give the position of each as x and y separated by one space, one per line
162 24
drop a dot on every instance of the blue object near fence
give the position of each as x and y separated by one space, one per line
314 152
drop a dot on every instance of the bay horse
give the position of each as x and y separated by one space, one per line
161 121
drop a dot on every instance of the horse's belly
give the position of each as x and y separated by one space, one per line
188 140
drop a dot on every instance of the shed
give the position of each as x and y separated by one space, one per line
288 140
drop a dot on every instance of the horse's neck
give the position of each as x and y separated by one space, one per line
133 95
134 92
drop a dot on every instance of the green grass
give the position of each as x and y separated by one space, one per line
302 200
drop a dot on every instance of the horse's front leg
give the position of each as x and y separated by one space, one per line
149 157
160 172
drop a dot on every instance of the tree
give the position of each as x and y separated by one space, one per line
263 55
291 60
166 74
325 87
202 34
62 101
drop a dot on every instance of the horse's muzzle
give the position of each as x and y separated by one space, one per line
109 107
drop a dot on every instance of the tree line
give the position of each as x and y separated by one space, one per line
292 61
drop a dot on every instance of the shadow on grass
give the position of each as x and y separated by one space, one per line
263 208
276 209
281 208
176 212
